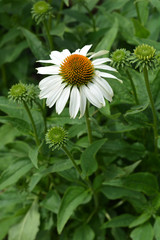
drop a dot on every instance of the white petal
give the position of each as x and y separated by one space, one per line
100 53
46 61
46 92
76 52
51 79
94 95
62 100
74 102
57 57
107 75
100 61
54 96
82 102
85 49
48 70
105 67
104 91
103 83
66 53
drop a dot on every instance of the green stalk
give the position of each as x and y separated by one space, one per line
72 159
88 124
48 35
43 115
32 122
133 87
87 181
145 72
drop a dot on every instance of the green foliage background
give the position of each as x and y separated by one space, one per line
41 194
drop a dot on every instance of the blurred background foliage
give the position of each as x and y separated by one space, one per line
126 177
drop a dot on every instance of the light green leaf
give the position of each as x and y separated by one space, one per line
140 31
144 232
84 232
14 173
157 228
88 161
141 219
58 30
66 2
27 229
5 224
120 221
73 197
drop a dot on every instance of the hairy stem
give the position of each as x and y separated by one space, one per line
145 72
32 122
133 87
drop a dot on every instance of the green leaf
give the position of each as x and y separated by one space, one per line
156 4
73 197
141 219
143 10
120 221
35 44
144 232
7 133
58 30
66 2
27 229
157 228
140 31
84 232
33 155
11 52
108 38
52 202
142 182
5 224
14 173
88 161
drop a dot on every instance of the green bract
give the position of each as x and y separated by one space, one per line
40 11
144 56
56 137
120 58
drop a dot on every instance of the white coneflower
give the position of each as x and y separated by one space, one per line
76 77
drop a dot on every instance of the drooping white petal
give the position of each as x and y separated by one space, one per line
100 61
48 70
76 52
62 100
51 79
57 57
46 61
46 92
100 53
82 102
104 91
74 103
103 83
105 67
85 50
53 97
107 75
94 95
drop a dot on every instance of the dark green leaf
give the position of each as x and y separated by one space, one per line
73 197
88 161
84 232
144 232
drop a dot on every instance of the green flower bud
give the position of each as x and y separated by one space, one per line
56 137
22 92
18 92
120 59
144 56
40 11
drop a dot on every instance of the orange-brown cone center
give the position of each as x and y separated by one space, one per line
76 70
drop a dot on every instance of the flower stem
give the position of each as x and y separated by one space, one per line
145 72
48 35
32 122
43 115
72 159
133 86
88 124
